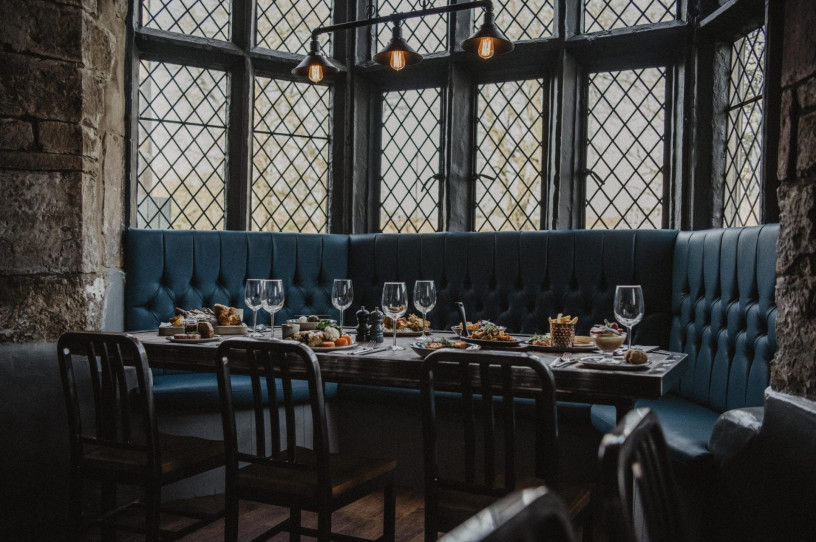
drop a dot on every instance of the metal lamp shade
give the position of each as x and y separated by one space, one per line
501 44
398 44
312 59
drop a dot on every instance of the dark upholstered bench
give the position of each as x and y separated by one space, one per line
708 293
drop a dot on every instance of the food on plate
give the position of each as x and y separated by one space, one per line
186 336
227 316
325 335
582 340
607 337
441 342
491 332
310 318
412 323
177 320
470 325
635 357
206 330
541 340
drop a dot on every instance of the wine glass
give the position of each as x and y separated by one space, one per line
424 298
253 298
394 304
629 308
342 295
272 299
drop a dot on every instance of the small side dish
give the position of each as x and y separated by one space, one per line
325 335
411 323
491 332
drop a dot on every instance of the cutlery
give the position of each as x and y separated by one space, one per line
563 361
380 349
369 345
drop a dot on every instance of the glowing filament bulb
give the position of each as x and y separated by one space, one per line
315 73
486 47
398 60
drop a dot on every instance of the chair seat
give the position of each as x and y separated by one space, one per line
457 506
180 456
348 473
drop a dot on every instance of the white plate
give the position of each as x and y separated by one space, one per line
404 332
595 362
331 349
419 348
194 341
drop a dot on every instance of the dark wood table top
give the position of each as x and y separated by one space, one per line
401 369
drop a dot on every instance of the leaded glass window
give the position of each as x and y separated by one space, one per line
522 20
509 155
425 34
410 162
624 152
742 189
203 18
182 139
286 25
602 15
291 143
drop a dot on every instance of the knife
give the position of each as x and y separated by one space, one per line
367 352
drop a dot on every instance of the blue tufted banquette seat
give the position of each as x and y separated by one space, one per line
708 293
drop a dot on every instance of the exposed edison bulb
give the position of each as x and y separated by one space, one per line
486 47
397 60
315 73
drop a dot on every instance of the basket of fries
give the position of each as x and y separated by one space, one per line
562 330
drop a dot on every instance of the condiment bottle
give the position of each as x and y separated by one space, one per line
375 320
362 325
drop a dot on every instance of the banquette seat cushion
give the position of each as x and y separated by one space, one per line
724 318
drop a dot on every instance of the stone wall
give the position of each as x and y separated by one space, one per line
62 109
794 368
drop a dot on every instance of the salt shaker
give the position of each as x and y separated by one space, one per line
375 328
362 325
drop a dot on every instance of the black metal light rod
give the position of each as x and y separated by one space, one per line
486 4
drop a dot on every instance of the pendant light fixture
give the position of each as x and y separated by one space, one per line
397 53
486 42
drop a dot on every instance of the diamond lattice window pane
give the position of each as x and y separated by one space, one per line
205 18
286 25
521 20
509 154
609 14
290 162
625 131
182 146
741 197
425 34
409 189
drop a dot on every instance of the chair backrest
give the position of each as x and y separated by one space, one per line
635 465
483 378
264 362
530 515
99 369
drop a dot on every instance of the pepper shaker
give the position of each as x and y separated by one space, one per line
375 320
362 325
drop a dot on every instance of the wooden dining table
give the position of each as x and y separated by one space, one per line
402 368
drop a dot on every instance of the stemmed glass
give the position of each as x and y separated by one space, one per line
253 298
424 298
629 308
395 304
342 295
272 299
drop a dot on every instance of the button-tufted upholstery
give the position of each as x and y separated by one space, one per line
518 279
724 318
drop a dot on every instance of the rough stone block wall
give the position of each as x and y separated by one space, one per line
794 368
62 102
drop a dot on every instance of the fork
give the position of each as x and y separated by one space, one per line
369 345
566 359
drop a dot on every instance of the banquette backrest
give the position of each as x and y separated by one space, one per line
724 314
519 279
192 269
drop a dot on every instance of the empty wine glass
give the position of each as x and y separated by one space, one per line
395 304
629 308
424 298
272 299
253 298
342 296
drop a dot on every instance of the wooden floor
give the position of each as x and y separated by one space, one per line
363 519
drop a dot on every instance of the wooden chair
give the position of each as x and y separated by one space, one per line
116 440
289 475
483 378
530 515
636 471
